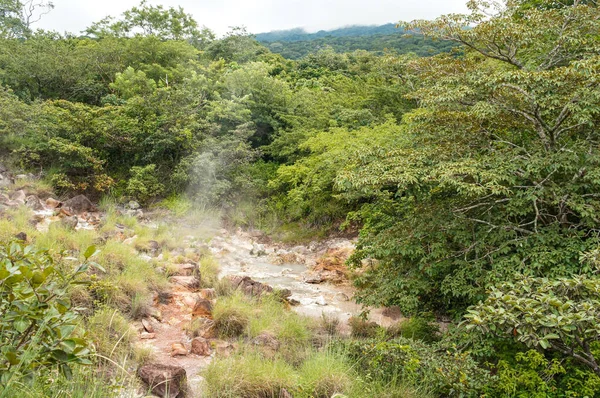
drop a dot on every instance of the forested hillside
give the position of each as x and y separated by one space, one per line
470 177
297 43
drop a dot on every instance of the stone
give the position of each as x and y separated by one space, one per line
133 205
320 301
34 203
5 180
249 286
154 246
224 349
22 236
79 204
53 203
189 282
201 347
178 349
314 279
147 336
70 222
202 308
4 199
208 294
164 381
135 213
19 196
341 296
147 325
187 269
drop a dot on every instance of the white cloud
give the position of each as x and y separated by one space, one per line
259 15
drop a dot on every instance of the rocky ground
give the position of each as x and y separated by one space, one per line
311 278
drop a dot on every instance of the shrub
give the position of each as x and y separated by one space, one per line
144 184
38 327
558 315
449 374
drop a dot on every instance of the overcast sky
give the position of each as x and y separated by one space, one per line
259 15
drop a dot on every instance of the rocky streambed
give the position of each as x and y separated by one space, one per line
314 274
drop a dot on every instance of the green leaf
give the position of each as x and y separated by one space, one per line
90 251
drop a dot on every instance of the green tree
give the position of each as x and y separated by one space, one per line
148 20
16 16
495 173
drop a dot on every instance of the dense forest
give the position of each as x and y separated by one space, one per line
297 43
465 158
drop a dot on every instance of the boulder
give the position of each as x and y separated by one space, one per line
164 381
53 203
178 349
135 213
201 347
189 282
34 203
22 236
147 324
208 294
341 296
79 204
19 196
4 199
5 180
224 348
202 308
70 222
187 269
133 205
249 286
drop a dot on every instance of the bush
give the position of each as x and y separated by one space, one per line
144 184
531 374
449 374
38 327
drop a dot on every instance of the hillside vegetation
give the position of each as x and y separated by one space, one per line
297 43
471 177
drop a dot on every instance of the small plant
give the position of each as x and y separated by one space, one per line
38 327
330 324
